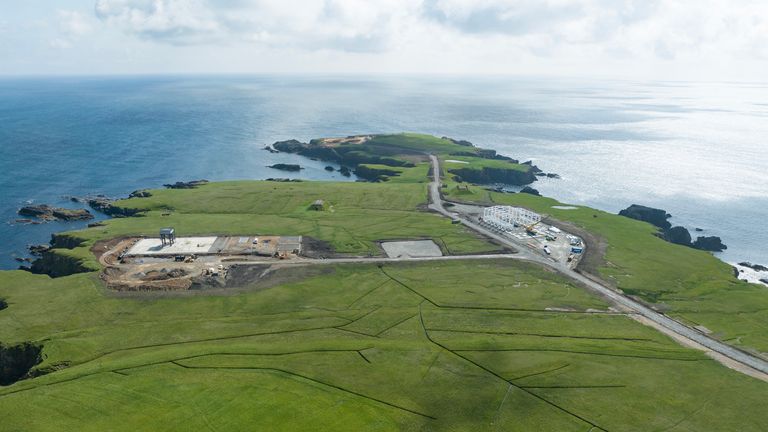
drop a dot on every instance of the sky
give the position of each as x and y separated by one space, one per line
721 40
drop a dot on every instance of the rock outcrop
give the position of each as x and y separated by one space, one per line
464 143
678 235
375 174
286 167
530 190
651 215
38 250
16 361
57 265
141 193
712 244
488 175
344 155
48 213
755 267
186 185
106 206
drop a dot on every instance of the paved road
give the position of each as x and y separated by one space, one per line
746 359
352 260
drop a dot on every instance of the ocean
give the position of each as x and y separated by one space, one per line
697 150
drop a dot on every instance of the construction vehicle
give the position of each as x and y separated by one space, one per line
530 228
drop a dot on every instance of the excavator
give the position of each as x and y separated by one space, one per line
530 228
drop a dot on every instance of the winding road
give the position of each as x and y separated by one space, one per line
658 320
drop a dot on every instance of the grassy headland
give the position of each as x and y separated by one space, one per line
463 345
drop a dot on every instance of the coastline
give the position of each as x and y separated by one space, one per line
741 272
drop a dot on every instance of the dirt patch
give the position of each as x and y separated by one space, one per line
263 276
257 277
594 253
314 248
102 246
356 139
175 279
16 361
164 274
241 275
182 284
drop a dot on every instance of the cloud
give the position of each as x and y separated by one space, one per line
516 17
171 21
74 24
328 24
60 43
71 27
445 35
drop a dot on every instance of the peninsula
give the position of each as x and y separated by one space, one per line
419 299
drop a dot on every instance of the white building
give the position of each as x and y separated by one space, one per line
506 217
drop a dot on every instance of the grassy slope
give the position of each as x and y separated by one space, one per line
348 350
433 346
480 163
358 214
695 286
419 143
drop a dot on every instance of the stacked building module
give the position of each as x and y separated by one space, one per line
506 218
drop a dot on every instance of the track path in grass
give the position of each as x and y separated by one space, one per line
724 353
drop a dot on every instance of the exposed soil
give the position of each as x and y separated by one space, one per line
240 276
164 274
260 276
102 246
16 361
314 248
594 253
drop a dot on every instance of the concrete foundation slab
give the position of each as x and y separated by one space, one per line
182 246
413 249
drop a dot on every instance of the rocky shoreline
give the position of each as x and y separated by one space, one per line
46 213
673 234
40 256
755 273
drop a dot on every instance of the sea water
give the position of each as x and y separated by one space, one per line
697 150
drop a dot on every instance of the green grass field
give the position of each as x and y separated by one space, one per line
358 215
479 163
438 346
496 345
691 285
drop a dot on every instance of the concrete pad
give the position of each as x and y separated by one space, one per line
413 249
182 246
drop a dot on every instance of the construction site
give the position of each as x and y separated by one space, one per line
175 263
529 228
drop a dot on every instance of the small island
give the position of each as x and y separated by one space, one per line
286 167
